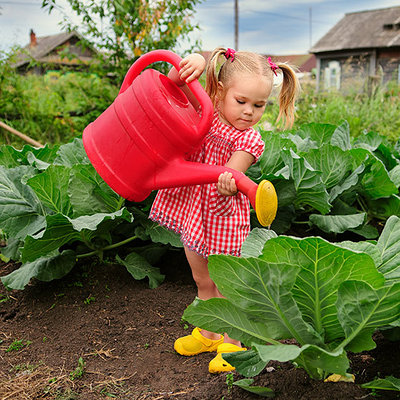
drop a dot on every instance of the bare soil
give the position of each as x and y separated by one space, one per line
99 334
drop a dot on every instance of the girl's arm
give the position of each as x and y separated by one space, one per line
240 161
191 67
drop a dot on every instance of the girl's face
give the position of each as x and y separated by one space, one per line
243 102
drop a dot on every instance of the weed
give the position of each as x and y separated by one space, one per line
147 345
79 370
89 299
229 381
106 393
18 345
25 367
4 298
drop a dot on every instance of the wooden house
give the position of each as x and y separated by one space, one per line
49 53
363 47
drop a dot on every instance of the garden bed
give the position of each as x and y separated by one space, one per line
123 332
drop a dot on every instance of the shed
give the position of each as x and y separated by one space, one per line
363 47
47 52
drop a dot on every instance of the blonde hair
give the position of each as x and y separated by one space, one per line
254 63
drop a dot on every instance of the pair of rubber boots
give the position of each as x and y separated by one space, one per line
196 343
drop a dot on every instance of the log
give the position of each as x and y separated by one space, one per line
20 135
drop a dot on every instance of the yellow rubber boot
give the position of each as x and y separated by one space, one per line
196 343
218 364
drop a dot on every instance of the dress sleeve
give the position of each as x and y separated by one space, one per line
251 142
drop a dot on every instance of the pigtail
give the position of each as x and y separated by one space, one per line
287 95
212 74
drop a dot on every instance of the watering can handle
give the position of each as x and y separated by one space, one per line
165 55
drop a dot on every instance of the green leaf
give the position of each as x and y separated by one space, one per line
337 223
388 383
369 141
264 291
361 309
346 184
254 243
21 212
341 136
376 182
71 154
160 234
47 268
11 157
363 247
302 144
394 175
333 163
139 268
389 247
320 133
366 230
309 187
259 390
51 188
61 230
58 232
247 363
311 357
219 315
89 194
323 267
384 208
271 160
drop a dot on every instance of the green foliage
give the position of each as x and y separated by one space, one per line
368 111
51 111
261 391
121 29
18 345
388 383
79 370
329 297
326 179
55 210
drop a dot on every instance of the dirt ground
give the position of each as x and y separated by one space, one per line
99 334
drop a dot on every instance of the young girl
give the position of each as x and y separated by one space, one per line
215 218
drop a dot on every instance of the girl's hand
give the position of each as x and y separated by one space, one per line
226 184
192 66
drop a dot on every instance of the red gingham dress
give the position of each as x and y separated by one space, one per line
208 222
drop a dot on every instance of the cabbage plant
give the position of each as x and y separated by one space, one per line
326 298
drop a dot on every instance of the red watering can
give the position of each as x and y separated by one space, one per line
140 142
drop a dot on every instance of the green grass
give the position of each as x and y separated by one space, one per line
377 110
18 345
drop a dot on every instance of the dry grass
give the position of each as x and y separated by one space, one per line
35 382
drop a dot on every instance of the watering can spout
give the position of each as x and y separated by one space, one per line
179 173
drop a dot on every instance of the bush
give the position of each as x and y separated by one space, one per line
53 108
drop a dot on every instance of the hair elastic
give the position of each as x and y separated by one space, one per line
274 67
230 53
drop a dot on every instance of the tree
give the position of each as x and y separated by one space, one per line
124 29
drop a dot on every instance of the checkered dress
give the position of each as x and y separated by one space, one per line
208 222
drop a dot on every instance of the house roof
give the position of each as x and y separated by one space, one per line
44 46
303 62
363 30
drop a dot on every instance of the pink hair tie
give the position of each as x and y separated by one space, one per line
274 67
230 53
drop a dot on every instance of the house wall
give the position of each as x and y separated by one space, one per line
388 62
344 72
347 71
